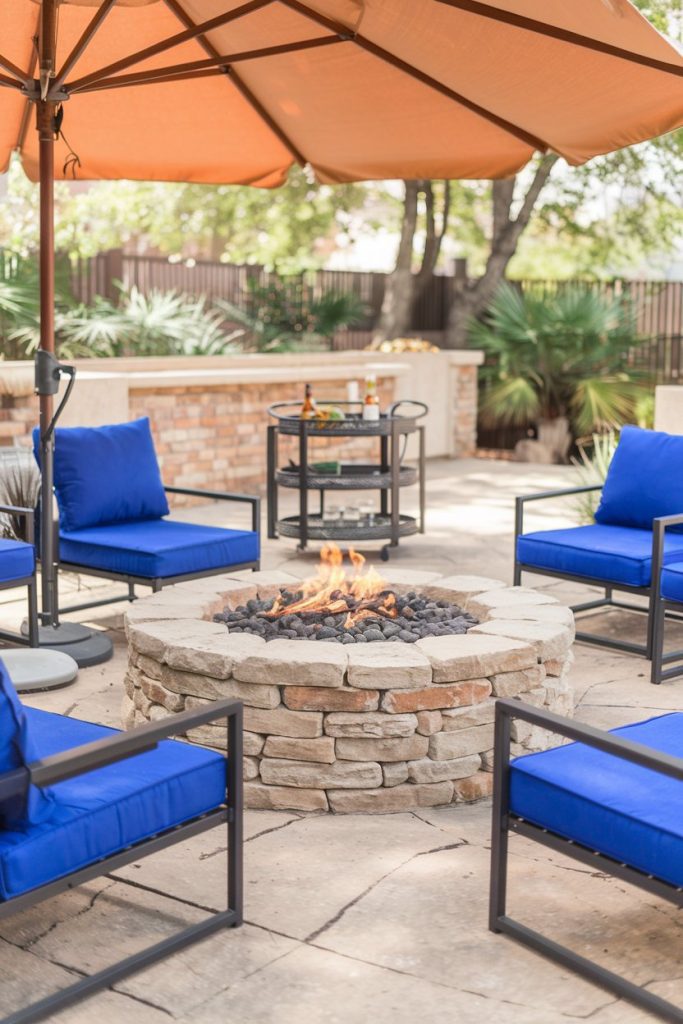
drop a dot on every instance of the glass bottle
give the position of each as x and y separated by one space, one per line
308 408
371 401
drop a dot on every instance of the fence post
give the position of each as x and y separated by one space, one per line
112 272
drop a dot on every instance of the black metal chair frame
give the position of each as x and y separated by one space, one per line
664 608
28 516
505 822
108 751
158 583
652 592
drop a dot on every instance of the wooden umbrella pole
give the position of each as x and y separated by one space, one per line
45 112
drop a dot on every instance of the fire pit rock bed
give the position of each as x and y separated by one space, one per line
362 727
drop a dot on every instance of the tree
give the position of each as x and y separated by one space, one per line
404 285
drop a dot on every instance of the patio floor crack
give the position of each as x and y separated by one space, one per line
361 896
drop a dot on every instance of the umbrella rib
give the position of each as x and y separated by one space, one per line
219 62
21 77
83 42
169 43
266 117
564 34
391 58
10 83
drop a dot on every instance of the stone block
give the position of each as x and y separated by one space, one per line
314 698
252 694
283 722
154 691
294 663
450 695
473 656
559 666
373 723
127 712
387 800
549 639
510 684
484 605
487 760
213 656
320 749
461 590
427 770
405 749
149 666
429 722
447 745
553 613
129 685
387 666
153 639
395 773
283 798
475 788
250 768
252 743
466 718
308 775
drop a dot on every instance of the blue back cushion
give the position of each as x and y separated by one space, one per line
645 479
106 475
17 750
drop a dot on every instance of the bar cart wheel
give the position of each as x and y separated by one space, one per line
384 553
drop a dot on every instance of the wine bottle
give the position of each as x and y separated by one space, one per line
371 401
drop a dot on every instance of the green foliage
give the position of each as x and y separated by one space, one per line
592 465
561 354
282 316
158 324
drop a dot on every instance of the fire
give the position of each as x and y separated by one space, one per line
363 594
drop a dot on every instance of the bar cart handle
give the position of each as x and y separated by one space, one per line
391 410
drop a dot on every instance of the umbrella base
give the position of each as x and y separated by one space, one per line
33 671
86 646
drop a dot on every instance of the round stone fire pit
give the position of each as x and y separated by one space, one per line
383 725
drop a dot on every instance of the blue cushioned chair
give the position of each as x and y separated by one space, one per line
628 544
112 509
78 801
611 800
18 569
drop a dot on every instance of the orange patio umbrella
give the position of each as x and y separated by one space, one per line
236 92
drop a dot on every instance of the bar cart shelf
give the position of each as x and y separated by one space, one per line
387 476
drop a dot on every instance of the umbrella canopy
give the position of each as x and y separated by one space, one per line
229 91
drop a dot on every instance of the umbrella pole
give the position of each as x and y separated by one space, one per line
50 603
83 645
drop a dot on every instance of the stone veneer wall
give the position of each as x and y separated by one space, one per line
376 727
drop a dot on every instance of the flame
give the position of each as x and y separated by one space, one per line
328 589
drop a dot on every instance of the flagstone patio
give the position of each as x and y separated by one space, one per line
356 917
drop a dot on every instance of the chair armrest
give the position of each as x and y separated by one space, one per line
249 499
659 526
627 750
521 501
28 514
122 745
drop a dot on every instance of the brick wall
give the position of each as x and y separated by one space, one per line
216 437
465 412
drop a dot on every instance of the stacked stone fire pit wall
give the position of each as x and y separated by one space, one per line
371 727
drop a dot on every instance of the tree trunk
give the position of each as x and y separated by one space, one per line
471 298
402 285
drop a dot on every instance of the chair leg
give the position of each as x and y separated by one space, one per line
657 619
235 789
517 574
499 828
33 613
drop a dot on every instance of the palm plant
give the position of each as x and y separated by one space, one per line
154 324
560 355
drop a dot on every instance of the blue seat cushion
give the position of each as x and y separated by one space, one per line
17 560
17 749
100 813
158 548
615 554
632 814
672 582
106 474
645 479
